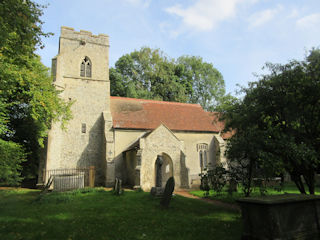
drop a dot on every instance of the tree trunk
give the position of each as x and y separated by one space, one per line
309 178
248 190
297 180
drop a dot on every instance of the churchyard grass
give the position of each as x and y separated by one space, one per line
224 196
99 214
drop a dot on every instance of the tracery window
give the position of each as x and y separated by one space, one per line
85 68
202 148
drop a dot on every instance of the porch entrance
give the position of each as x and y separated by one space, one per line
163 169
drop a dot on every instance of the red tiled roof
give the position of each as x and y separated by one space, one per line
220 124
228 135
131 113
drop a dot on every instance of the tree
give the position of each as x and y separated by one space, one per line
20 28
28 100
147 74
204 83
150 74
278 121
12 155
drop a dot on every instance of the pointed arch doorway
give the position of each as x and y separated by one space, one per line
163 169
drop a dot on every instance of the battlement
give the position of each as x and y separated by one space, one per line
84 36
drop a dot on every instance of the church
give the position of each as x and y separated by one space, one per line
123 137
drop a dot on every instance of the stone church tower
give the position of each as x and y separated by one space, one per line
81 71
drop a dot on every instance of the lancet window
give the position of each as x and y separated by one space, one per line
85 68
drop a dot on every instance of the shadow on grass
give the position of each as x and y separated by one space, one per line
98 214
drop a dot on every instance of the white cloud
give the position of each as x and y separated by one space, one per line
262 17
310 21
204 15
143 3
294 13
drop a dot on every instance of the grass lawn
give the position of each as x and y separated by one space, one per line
225 197
98 214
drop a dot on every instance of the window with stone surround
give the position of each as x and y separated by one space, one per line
85 67
202 148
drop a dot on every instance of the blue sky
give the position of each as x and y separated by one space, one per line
236 36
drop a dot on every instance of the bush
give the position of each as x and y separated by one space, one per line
205 184
213 179
11 157
217 178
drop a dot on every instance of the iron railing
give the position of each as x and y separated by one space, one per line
68 179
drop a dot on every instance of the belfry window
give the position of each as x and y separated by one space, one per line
85 68
202 148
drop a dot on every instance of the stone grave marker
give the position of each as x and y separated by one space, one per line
167 194
117 189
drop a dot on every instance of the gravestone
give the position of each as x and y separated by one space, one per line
167 194
48 185
117 188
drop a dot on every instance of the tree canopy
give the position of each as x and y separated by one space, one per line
278 122
150 74
28 100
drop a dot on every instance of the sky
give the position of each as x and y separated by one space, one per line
237 36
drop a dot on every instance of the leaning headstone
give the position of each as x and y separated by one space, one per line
115 184
167 194
117 188
48 185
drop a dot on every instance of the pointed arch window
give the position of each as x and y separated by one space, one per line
202 148
85 68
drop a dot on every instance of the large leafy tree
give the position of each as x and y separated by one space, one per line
149 73
146 74
28 100
204 83
279 121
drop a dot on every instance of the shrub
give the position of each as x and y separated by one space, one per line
204 186
217 178
213 179
11 157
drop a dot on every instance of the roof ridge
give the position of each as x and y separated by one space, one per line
157 101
